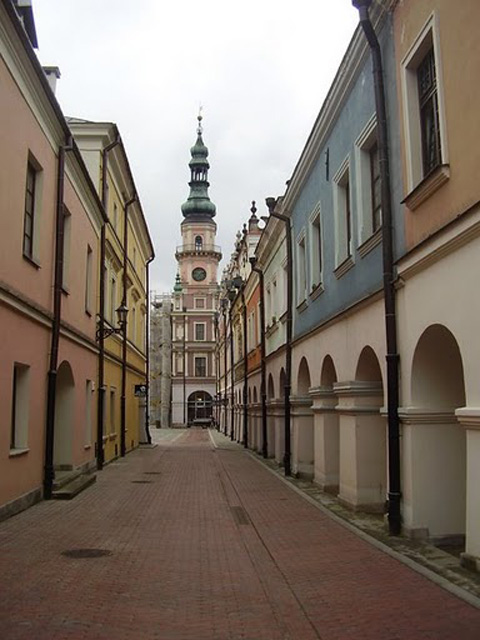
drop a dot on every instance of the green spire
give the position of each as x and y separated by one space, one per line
178 284
199 207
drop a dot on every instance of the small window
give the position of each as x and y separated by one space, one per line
198 243
199 303
343 214
29 215
200 366
20 406
112 412
428 107
316 252
301 270
113 299
89 280
88 412
67 233
115 216
375 188
199 331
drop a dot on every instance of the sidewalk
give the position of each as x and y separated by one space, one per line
205 543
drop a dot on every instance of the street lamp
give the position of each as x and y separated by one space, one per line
104 332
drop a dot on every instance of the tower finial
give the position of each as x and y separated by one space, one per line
200 118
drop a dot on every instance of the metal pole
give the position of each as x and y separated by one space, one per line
184 369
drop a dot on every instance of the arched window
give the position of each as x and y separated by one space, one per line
198 243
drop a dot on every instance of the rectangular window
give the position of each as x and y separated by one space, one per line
199 331
67 232
424 116
301 270
179 363
199 303
115 216
428 107
29 214
133 324
88 412
316 253
112 413
343 214
200 366
88 280
375 187
113 300
20 406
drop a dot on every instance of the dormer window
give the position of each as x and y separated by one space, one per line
198 243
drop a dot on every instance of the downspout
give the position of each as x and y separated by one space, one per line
263 366
101 311
49 471
225 399
271 203
232 376
392 356
147 361
245 370
184 368
123 399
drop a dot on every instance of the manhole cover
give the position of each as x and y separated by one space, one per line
86 553
141 481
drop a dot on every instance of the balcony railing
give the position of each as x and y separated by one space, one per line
195 248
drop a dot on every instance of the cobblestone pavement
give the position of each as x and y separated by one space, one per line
205 543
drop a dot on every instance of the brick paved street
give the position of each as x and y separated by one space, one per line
206 543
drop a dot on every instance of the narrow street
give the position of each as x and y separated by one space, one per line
197 542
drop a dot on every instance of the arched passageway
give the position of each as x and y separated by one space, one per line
200 406
64 416
302 423
326 430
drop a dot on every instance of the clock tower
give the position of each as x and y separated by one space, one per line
195 299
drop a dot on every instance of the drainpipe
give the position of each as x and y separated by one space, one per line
245 370
101 311
232 376
392 357
225 399
123 399
147 362
184 368
49 471
263 373
271 203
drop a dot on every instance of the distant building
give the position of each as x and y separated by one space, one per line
160 359
195 299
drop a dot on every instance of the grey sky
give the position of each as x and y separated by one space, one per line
261 70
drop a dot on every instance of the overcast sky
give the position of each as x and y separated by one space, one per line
260 68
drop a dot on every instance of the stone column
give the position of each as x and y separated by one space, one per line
276 430
326 439
302 436
469 418
363 448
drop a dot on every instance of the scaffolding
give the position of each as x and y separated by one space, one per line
160 359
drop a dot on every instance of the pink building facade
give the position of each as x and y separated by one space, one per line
50 222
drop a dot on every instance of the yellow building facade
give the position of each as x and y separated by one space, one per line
127 251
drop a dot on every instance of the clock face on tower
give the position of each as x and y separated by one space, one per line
199 274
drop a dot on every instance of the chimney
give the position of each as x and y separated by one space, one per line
53 74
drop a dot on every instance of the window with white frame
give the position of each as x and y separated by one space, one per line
89 280
423 108
112 410
301 269
200 364
20 406
343 214
368 181
31 214
133 324
67 236
274 309
113 298
316 250
115 216
200 331
268 304
88 412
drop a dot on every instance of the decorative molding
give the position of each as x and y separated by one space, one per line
425 415
371 243
469 417
427 187
345 266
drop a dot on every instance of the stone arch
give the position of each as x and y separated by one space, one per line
363 455
199 407
438 500
303 378
282 383
249 395
64 416
255 396
270 387
327 430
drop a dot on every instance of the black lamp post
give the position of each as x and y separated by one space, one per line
103 331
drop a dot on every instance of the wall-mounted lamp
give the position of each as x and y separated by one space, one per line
121 312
